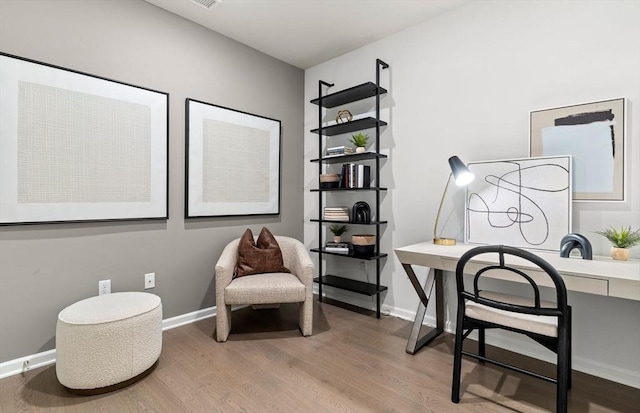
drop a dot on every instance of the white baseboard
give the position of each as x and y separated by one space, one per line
522 346
13 367
589 366
16 366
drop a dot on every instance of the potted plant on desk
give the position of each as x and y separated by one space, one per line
622 240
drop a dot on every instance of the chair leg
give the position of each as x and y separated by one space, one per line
481 343
306 317
457 359
570 345
563 370
223 322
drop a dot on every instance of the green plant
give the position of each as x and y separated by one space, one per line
338 229
359 139
624 238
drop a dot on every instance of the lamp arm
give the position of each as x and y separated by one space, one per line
435 227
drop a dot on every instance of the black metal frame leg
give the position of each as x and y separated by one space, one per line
434 278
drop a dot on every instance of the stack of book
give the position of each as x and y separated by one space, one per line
336 214
355 175
341 247
339 150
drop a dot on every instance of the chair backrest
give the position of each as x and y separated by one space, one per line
475 294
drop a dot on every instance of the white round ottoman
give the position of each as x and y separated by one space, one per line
107 342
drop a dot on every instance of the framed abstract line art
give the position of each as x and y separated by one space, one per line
77 147
524 203
232 162
594 135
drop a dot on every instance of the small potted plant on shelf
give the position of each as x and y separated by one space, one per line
360 141
622 240
338 230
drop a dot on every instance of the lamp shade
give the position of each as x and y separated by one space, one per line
461 174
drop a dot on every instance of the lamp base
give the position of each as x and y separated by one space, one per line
444 241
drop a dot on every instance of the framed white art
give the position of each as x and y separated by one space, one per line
232 162
524 203
78 147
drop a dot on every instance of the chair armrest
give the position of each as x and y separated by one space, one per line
301 264
224 268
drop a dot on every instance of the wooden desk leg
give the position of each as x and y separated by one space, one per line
434 278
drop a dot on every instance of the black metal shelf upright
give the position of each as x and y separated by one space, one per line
353 94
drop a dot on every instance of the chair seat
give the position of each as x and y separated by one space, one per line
265 289
544 325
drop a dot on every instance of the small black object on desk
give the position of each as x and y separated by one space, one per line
572 241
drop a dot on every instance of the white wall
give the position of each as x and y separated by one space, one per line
464 83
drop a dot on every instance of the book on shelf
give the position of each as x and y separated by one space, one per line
355 175
339 150
337 247
336 214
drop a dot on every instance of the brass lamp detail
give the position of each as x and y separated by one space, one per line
462 176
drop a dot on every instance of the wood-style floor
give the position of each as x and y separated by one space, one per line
353 363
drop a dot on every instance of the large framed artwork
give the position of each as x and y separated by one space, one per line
232 162
78 147
594 135
524 203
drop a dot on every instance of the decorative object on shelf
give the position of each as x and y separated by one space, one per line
329 181
526 201
360 141
364 245
77 147
225 177
338 230
622 240
336 214
594 135
576 241
361 213
344 116
462 177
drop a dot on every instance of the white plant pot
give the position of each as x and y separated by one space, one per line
360 149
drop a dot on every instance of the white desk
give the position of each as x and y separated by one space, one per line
601 276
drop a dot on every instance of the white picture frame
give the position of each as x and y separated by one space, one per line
232 162
523 202
78 147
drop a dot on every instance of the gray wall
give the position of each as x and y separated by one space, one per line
463 84
44 268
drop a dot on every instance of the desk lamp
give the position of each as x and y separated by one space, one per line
463 176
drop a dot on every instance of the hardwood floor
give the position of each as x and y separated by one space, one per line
352 363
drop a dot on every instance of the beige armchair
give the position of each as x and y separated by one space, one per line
270 288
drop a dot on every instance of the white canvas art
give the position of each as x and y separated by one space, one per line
524 203
76 147
233 162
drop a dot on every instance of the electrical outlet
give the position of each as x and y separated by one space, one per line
150 280
104 287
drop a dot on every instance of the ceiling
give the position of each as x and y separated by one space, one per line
305 33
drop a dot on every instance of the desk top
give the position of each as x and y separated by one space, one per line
601 276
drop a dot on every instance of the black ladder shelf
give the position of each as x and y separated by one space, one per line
353 94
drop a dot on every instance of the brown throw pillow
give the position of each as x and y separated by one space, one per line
262 257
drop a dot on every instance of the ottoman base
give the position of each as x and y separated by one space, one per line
113 387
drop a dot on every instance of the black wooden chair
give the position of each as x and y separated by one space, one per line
548 323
